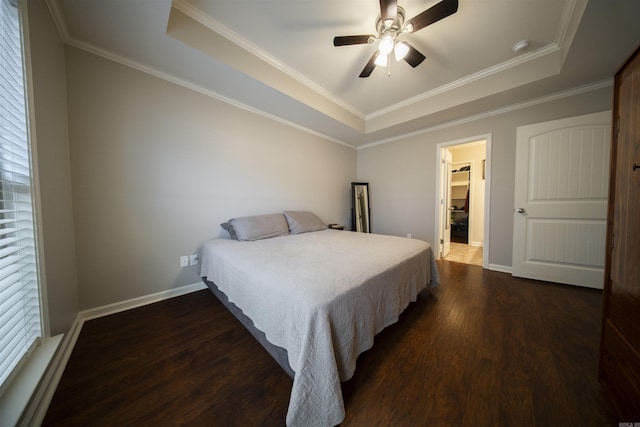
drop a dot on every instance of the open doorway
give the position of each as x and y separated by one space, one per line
463 200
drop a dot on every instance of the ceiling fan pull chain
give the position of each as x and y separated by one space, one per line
389 67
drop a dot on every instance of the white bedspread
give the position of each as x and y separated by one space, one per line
322 296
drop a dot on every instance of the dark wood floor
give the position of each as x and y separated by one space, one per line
484 350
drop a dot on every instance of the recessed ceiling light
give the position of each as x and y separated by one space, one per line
520 46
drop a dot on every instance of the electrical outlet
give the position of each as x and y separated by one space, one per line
193 259
184 261
408 235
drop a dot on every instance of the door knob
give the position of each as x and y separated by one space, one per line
520 210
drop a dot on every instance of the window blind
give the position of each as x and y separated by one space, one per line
20 322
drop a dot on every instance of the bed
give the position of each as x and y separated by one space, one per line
315 298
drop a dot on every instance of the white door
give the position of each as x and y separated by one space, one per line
561 189
445 203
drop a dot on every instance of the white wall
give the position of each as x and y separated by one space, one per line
157 167
402 174
51 149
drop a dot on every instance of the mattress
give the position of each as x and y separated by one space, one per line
322 296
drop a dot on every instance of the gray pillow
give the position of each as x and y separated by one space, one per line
257 227
229 228
303 222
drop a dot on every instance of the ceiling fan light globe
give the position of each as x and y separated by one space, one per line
408 28
381 60
386 45
400 50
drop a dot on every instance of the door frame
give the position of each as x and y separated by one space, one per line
444 224
487 191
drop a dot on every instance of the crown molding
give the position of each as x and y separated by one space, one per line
563 36
571 16
570 20
504 66
60 23
569 13
215 25
495 112
58 18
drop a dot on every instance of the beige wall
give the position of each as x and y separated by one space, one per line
402 174
51 151
157 167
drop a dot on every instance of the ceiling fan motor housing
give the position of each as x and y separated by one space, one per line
394 28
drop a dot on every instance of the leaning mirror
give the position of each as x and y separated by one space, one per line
360 211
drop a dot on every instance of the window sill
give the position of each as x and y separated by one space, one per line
16 397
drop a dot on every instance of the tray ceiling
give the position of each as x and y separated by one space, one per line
277 57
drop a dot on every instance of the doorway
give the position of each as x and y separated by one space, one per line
462 200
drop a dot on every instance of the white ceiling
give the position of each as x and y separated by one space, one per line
277 57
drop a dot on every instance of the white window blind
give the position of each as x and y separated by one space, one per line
20 322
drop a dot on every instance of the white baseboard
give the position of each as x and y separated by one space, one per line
36 410
477 244
105 310
500 268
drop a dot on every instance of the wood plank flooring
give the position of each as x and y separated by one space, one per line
485 349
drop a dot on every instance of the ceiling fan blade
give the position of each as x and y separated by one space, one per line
349 40
368 69
433 14
388 10
413 57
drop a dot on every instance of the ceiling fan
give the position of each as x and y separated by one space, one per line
390 25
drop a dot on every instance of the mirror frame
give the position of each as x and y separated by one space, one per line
360 208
